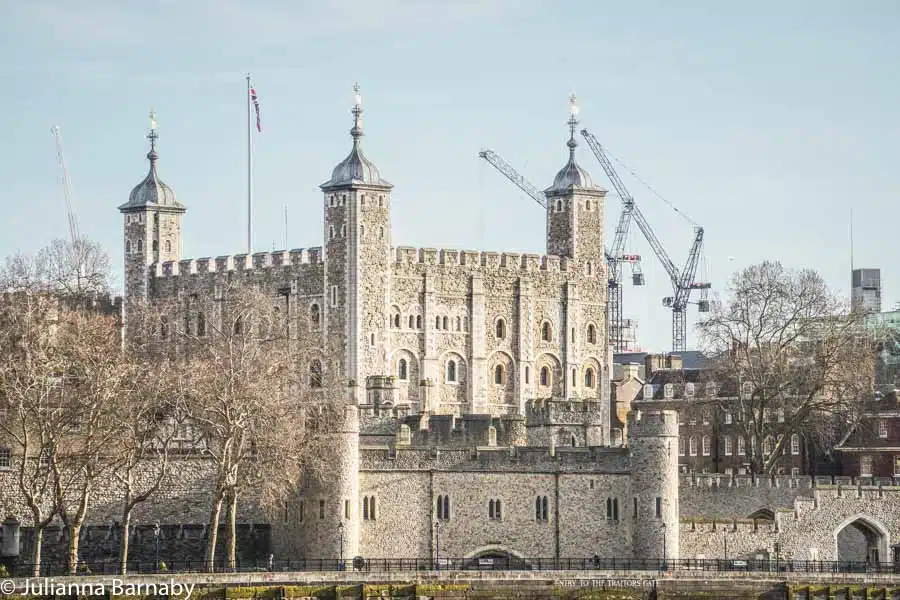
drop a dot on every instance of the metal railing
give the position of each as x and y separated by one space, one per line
111 566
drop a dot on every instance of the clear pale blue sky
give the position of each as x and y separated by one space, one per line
764 121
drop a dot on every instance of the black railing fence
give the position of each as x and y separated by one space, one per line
388 565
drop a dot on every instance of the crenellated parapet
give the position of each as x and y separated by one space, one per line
551 411
484 260
239 262
730 526
613 461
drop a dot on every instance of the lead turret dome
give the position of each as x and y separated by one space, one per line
152 192
356 169
572 174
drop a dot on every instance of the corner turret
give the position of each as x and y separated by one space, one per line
653 446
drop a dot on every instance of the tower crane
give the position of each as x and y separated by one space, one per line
682 281
615 256
66 186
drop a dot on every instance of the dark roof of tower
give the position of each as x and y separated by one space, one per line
356 169
152 192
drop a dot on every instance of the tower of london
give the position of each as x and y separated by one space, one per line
476 382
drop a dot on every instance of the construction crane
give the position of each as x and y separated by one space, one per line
615 256
682 281
65 184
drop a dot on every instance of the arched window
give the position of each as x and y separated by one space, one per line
446 324
401 369
362 231
156 218
315 316
589 378
155 246
412 322
397 320
458 323
140 246
465 323
527 375
443 507
343 231
591 334
545 376
498 374
315 374
587 205
494 510
451 370
201 324
168 245
127 247
381 233
419 322
331 232
589 268
437 322
238 325
546 331
501 329
559 206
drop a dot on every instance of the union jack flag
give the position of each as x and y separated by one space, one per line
255 100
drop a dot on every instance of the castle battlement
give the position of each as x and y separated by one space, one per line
487 260
653 423
729 526
720 480
238 262
549 411
614 461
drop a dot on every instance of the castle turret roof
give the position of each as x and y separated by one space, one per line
572 175
152 192
356 169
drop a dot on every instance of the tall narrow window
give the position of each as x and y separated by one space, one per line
321 509
334 295
545 376
458 323
527 375
437 322
658 507
127 247
795 444
540 508
346 509
397 320
412 322
419 322
501 329
315 374
589 378
140 246
546 332
315 316
498 374
401 369
238 325
446 323
591 334
451 370
168 245
201 324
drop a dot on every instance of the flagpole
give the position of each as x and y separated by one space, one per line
285 228
249 172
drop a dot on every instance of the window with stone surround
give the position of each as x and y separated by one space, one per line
300 508
346 509
495 510
381 233
315 316
545 376
465 323
451 371
419 322
168 245
707 445
343 230
541 509
140 246
334 295
362 231
634 508
546 331
689 390
437 322
882 429
589 378
658 507
321 509
795 444
443 507
591 334
201 324
741 446
559 206
331 232
865 466
127 247
727 443
612 509
459 323
5 458
412 322
527 374
155 246
498 375
692 446
369 513
315 374
728 417
682 443
500 329
396 322
446 323
402 369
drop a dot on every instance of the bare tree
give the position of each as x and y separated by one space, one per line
790 358
240 372
65 268
28 391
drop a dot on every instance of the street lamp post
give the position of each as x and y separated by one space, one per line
437 545
725 540
341 557
156 537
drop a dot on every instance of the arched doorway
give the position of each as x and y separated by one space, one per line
862 539
495 558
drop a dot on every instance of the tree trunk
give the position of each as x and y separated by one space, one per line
36 551
74 536
213 533
231 518
123 544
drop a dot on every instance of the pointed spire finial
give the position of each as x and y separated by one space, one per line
152 136
357 131
573 123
